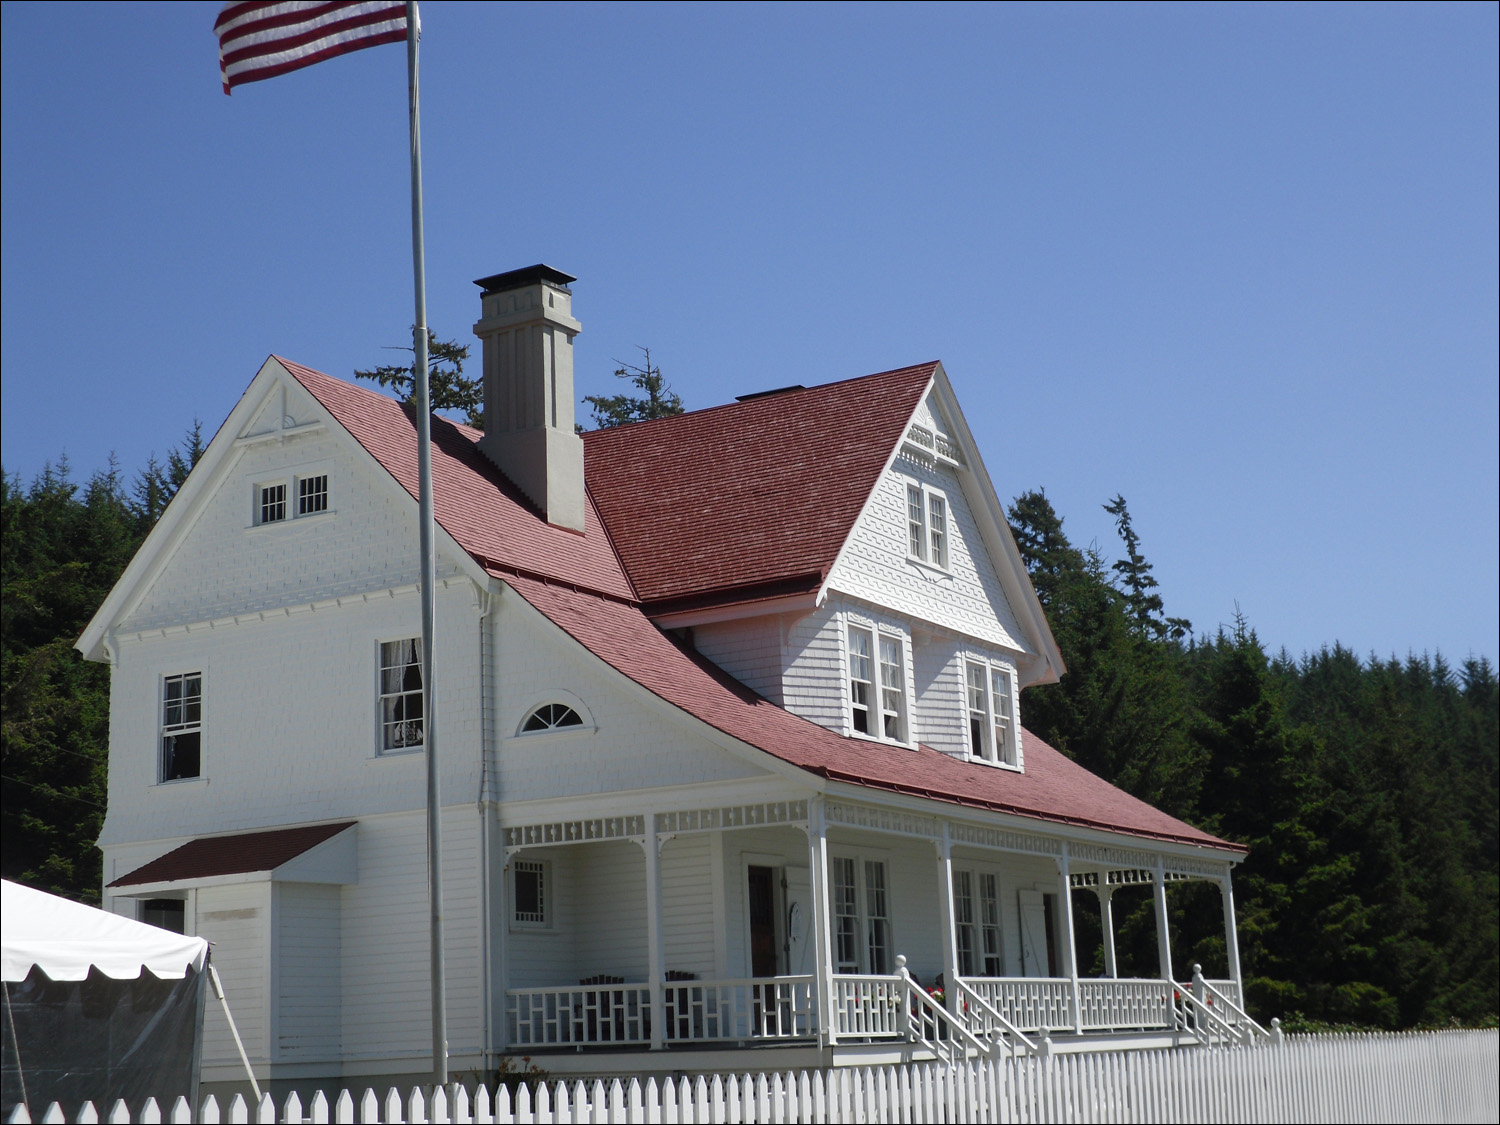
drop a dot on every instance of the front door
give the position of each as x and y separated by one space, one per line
797 941
763 950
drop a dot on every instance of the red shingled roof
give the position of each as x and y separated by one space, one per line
472 500
232 855
748 495
1053 787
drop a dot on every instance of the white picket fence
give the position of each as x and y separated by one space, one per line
1449 1076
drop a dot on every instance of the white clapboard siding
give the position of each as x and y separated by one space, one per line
611 921
542 956
687 898
309 996
1440 1077
814 665
236 919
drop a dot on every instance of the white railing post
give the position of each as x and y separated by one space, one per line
1067 899
1107 920
1232 937
817 847
903 1001
1163 938
950 924
654 971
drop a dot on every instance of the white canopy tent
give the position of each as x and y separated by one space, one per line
97 1006
65 939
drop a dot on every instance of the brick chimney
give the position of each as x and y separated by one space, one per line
527 327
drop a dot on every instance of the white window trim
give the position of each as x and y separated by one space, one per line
380 750
566 698
877 632
201 728
549 896
1009 757
291 478
862 856
928 494
976 874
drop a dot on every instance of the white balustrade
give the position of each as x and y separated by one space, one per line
1115 1005
740 1010
868 1007
587 1014
1033 1004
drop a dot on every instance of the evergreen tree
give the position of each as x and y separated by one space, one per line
660 401
447 386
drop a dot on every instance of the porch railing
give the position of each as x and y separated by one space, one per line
1227 1009
1033 1004
1110 1005
717 1011
585 1015
868 1006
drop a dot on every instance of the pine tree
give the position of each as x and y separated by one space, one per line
660 401
447 386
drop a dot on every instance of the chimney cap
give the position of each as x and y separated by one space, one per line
528 275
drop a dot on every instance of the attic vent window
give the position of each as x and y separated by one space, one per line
551 716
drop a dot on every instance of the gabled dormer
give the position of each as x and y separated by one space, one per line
840 549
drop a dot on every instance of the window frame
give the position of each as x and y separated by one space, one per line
870 931
381 695
869 694
185 726
542 868
291 481
929 528
979 932
862 688
995 749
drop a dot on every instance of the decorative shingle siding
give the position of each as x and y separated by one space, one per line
813 685
874 567
939 717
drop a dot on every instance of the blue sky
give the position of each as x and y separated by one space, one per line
1236 263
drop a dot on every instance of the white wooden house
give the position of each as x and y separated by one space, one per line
730 736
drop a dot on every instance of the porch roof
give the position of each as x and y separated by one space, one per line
238 854
1053 787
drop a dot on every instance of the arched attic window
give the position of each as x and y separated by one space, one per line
551 716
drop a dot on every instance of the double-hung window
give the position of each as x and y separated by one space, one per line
401 695
877 707
861 679
926 526
861 915
182 726
990 709
976 922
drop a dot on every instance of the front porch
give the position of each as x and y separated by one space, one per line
623 939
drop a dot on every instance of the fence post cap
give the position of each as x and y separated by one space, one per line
901 962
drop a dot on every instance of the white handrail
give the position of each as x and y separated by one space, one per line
922 1009
991 1015
1252 1030
1195 1014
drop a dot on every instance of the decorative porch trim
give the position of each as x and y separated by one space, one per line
1005 840
573 832
883 820
732 816
1121 877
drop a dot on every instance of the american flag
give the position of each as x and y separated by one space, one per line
259 40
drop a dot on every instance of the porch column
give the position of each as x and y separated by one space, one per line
652 845
950 924
1163 941
1067 899
817 847
1107 922
1231 937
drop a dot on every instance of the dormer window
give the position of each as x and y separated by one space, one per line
861 687
926 526
892 689
990 694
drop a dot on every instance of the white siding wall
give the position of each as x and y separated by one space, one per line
778 847
875 569
632 743
308 993
751 651
689 923
237 920
548 956
1016 873
941 708
610 913
814 679
290 729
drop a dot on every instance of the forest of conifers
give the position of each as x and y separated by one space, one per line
1366 788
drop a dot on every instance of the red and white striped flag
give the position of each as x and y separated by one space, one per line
262 40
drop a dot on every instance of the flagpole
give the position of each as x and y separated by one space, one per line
423 410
